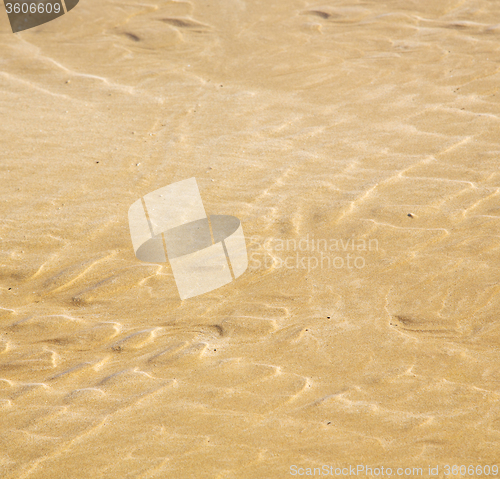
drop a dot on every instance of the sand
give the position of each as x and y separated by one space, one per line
371 127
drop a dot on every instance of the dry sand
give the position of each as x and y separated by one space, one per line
306 121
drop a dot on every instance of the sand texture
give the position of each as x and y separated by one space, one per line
343 121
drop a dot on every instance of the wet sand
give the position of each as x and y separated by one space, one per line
347 122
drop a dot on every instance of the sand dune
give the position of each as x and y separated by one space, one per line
345 122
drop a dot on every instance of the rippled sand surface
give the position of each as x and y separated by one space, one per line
342 121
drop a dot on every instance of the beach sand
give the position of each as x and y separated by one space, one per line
371 127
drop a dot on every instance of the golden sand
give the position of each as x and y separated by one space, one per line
339 121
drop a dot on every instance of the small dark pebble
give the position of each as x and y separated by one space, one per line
410 215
